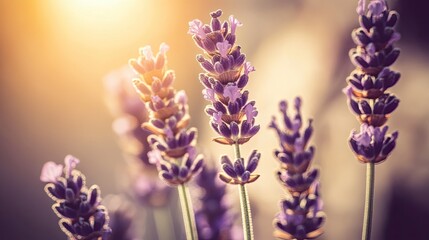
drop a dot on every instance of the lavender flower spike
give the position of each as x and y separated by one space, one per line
172 142
130 113
374 54
368 83
367 91
301 215
226 74
232 115
82 215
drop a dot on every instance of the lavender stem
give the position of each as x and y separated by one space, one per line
369 200
187 212
246 213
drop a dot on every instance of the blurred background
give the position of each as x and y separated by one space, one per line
54 55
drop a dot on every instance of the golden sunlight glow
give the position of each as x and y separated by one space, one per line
101 14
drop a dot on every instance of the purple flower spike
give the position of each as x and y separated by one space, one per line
374 38
368 85
238 172
226 74
301 216
173 142
130 113
79 208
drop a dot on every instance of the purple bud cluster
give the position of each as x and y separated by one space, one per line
173 143
372 144
239 172
214 218
82 215
368 83
231 113
301 216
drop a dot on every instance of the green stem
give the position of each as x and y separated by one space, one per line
369 200
187 212
246 213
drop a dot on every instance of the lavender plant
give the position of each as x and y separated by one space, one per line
367 91
130 113
215 220
82 215
232 116
173 144
301 215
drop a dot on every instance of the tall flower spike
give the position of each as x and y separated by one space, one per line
79 208
232 115
301 216
130 113
173 144
226 74
367 91
374 54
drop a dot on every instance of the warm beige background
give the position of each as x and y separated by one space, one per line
54 54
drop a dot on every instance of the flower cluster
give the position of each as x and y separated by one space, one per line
368 83
238 172
130 113
301 216
372 144
173 143
82 215
214 219
232 115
